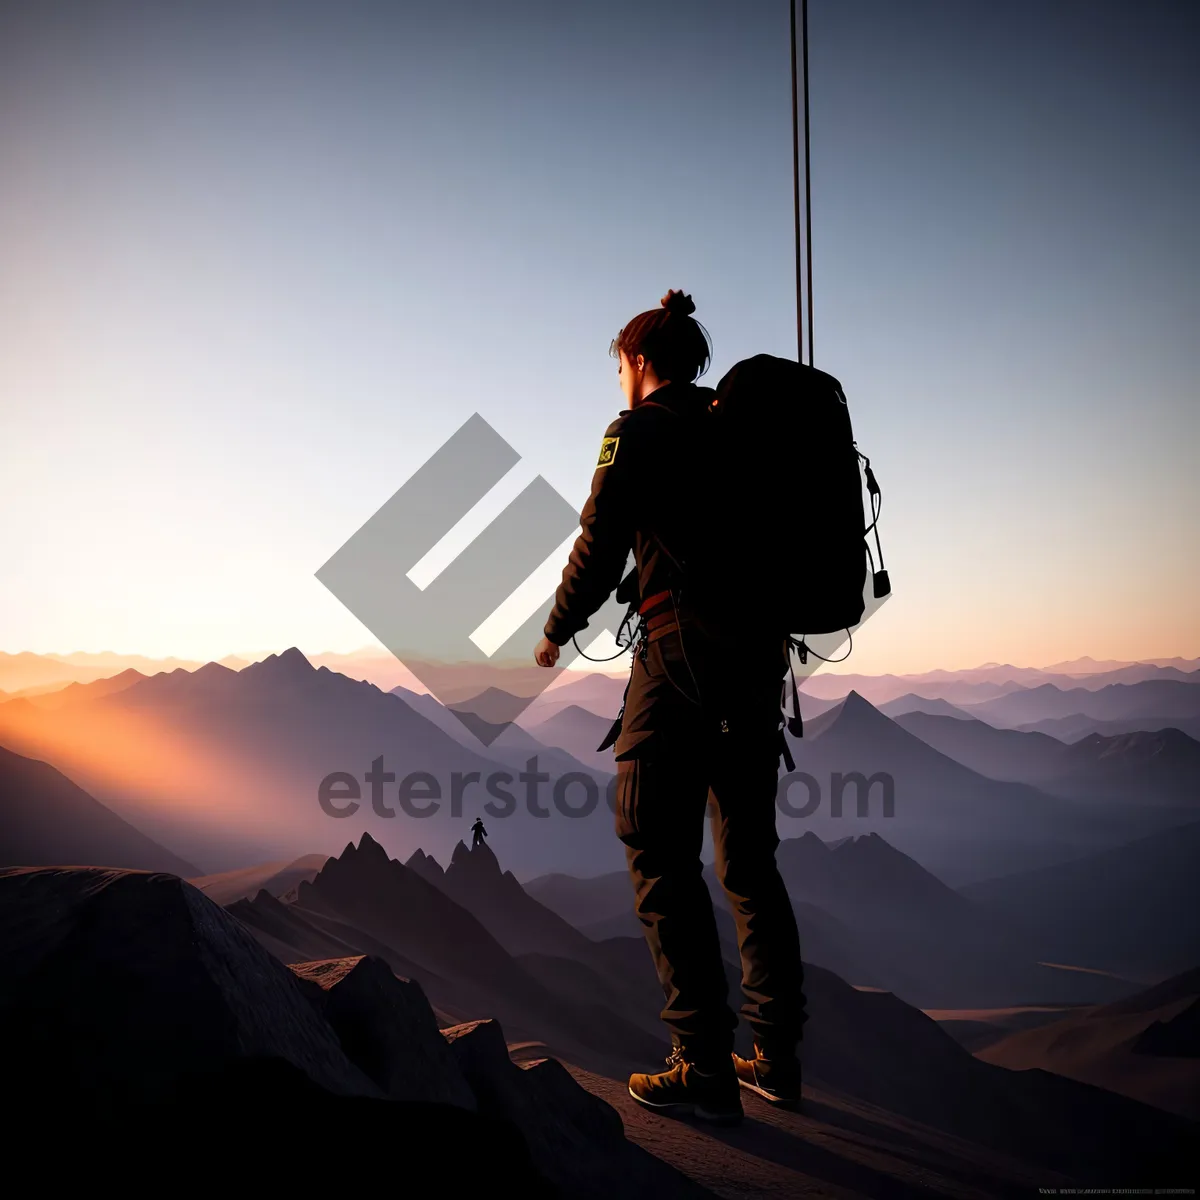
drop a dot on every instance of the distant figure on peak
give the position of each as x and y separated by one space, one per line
701 715
478 832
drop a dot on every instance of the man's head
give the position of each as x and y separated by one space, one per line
662 345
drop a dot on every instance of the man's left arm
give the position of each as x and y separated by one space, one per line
606 530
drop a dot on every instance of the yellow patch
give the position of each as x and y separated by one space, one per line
608 451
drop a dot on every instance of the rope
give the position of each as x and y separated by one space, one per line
803 248
807 181
796 201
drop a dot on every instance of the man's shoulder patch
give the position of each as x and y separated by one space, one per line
608 451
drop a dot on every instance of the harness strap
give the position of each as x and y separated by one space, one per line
655 601
614 730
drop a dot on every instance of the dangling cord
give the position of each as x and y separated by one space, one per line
622 647
803 649
683 651
876 494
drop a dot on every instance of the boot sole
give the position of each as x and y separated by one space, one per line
774 1098
682 1108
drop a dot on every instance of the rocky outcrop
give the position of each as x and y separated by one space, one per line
129 981
1175 1037
450 942
426 866
152 1024
576 1139
871 1045
388 1029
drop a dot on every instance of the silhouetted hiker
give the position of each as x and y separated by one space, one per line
702 711
478 832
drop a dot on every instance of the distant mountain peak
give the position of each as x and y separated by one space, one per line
369 848
473 861
857 710
290 664
869 845
209 670
426 865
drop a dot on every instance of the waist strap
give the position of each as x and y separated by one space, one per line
658 600
658 616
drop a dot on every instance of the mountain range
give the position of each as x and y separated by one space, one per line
204 1016
1036 896
1154 767
961 825
1132 909
876 917
212 757
374 904
226 767
1168 698
142 1013
1146 1046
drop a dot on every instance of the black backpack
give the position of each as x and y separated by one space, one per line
785 523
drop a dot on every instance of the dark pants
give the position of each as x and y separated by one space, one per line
704 717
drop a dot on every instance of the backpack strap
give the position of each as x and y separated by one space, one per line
788 760
795 723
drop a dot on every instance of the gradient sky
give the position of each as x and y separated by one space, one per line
260 260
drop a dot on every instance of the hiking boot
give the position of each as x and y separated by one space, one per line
776 1080
683 1089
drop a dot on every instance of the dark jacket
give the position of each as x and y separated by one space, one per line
647 496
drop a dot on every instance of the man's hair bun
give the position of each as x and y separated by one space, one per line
680 350
676 302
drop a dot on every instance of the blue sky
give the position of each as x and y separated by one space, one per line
262 259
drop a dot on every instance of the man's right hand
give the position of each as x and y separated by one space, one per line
546 653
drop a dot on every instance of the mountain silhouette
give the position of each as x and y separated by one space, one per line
872 915
132 999
76 692
275 878
912 703
513 746
1160 766
579 732
45 819
612 970
1125 909
1142 767
240 756
585 901
957 823
594 692
1078 725
1143 1046
997 753
400 910
914 935
1171 698
136 985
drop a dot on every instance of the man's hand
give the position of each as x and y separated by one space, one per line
545 654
